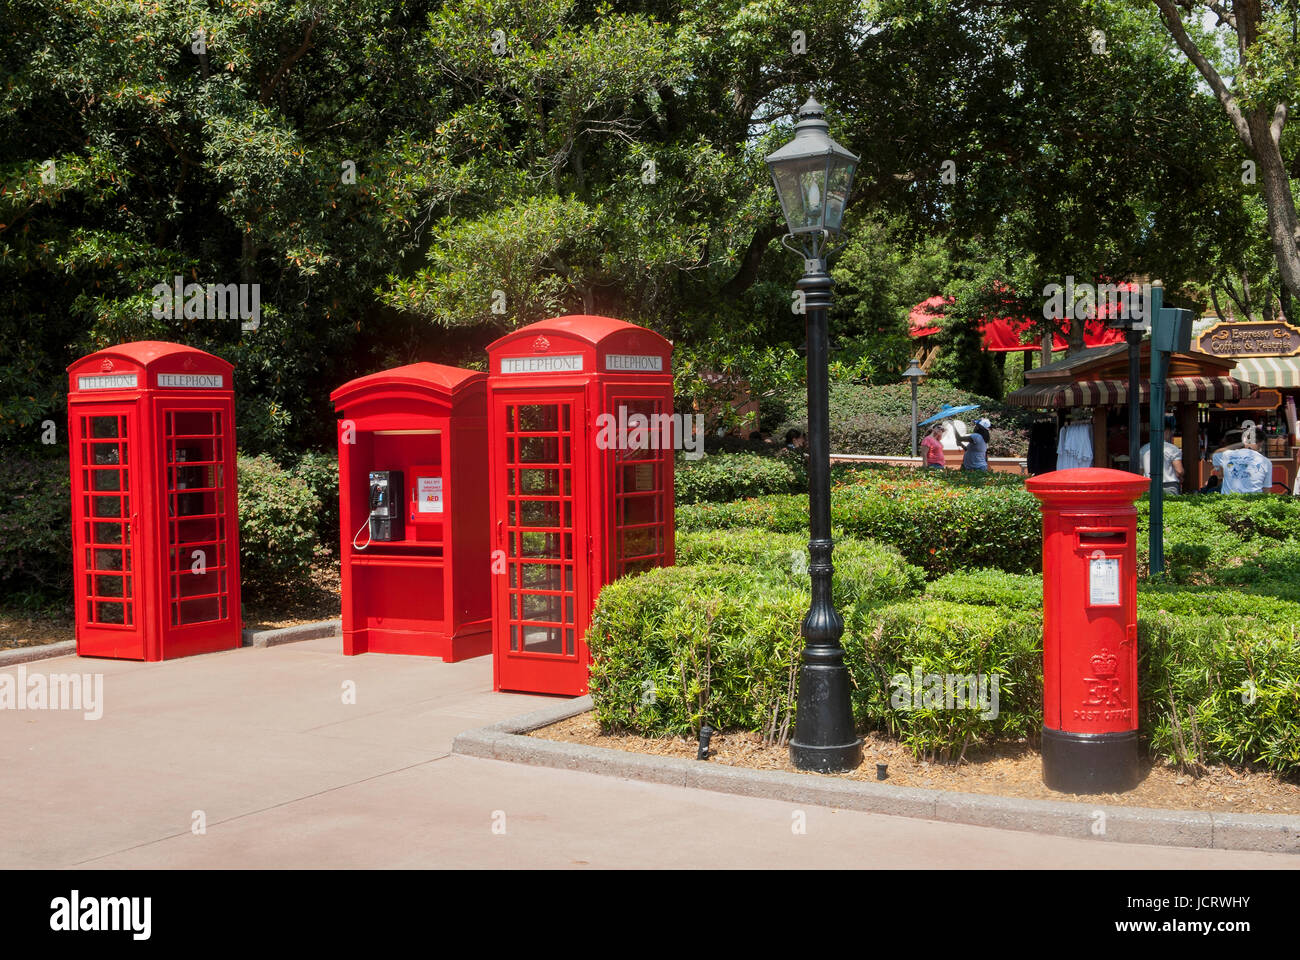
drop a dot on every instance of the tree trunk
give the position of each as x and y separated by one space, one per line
1276 187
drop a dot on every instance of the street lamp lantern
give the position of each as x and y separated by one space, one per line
813 175
914 373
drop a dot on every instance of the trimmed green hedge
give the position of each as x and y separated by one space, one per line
938 525
734 476
717 641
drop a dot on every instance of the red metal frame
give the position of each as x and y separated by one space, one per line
154 509
569 514
428 593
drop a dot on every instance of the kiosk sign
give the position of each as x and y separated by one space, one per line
1249 339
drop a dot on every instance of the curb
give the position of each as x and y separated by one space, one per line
1270 833
64 648
251 638
303 631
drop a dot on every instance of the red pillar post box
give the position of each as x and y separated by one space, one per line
1090 689
413 512
581 494
154 519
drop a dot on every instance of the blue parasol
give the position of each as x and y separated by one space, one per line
946 411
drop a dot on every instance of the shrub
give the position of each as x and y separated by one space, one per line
989 588
278 516
677 646
938 524
36 528
940 637
866 574
1216 689
320 471
733 476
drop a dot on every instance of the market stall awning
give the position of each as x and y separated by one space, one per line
1105 393
1005 334
1277 372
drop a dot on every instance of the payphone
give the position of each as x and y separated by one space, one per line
387 506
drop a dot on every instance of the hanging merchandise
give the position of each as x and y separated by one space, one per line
1074 448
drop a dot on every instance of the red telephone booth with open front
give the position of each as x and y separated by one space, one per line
413 508
581 433
154 520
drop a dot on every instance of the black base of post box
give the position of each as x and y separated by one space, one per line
1090 762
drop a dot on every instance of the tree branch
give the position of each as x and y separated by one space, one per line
1174 21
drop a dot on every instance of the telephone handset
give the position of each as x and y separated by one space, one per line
387 520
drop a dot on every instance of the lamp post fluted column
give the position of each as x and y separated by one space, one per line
824 738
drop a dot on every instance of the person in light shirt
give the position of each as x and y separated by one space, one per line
1173 466
1243 468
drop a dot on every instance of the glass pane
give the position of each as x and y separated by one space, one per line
539 417
108 613
638 543
108 560
542 639
103 426
108 586
541 482
568 641
542 576
104 454
108 533
105 479
106 506
514 638
540 513
641 510
194 422
539 450
539 607
545 545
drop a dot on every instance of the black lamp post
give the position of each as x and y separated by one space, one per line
813 175
914 373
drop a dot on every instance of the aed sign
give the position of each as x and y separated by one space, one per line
114 381
428 492
199 381
566 363
634 362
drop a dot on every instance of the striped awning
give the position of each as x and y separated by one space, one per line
1107 393
1280 372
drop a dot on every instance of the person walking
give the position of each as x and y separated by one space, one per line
976 446
1243 468
933 444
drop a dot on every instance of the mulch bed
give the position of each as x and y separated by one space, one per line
1012 770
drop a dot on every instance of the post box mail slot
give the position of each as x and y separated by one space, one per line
1090 710
581 437
154 518
413 508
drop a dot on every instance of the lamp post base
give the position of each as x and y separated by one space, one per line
824 740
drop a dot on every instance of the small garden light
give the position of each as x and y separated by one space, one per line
914 373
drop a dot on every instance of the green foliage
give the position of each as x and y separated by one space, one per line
989 588
716 637
320 472
938 521
734 476
942 637
278 517
1221 689
35 527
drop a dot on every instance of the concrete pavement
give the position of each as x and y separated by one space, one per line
260 746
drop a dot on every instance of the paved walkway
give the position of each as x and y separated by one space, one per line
286 774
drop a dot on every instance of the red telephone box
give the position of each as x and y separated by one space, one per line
1090 689
581 433
154 519
413 508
